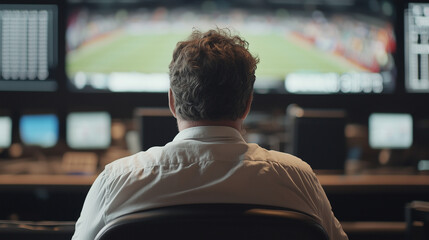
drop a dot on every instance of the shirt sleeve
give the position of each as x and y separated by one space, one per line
329 221
91 219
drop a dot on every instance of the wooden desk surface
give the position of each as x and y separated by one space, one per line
346 183
54 180
329 182
374 180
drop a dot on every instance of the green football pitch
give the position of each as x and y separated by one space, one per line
152 53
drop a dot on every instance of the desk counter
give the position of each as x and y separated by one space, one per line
329 182
353 197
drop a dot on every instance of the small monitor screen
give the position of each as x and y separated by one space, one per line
6 131
28 47
88 130
39 130
390 130
157 127
305 47
416 45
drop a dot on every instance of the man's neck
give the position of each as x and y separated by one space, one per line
184 124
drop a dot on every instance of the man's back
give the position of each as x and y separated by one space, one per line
205 165
211 91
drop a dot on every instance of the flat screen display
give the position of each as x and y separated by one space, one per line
39 130
416 46
88 130
6 131
305 47
390 130
156 127
28 47
317 136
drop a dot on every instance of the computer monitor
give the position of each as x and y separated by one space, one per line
156 127
40 130
6 131
28 47
88 130
390 130
416 50
317 136
305 47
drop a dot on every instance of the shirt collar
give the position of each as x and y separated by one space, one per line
210 133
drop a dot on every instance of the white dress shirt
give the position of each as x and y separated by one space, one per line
208 164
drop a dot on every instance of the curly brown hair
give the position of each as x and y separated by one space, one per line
212 76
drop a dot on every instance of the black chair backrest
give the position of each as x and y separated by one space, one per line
214 221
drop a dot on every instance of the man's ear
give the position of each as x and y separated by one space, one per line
171 103
248 106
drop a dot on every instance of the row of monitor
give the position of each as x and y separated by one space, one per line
84 130
305 47
91 130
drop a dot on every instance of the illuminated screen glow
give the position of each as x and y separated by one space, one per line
390 130
88 130
39 130
342 47
6 132
28 47
417 52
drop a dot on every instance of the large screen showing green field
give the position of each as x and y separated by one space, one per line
347 47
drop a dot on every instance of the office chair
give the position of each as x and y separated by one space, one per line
417 211
214 221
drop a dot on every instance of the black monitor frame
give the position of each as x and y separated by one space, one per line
155 126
